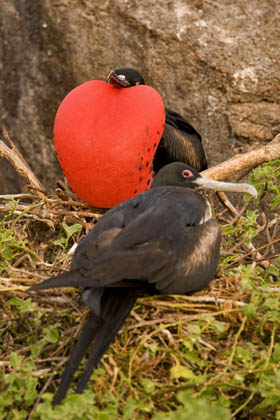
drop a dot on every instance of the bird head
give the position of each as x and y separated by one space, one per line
124 78
181 175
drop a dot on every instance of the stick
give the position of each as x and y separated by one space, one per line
248 161
16 159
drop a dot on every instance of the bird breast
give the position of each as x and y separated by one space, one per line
204 247
198 261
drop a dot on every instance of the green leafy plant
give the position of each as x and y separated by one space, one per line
266 178
215 354
70 232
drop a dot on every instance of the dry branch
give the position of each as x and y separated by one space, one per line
246 161
16 159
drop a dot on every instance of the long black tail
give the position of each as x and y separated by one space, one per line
68 279
116 305
84 341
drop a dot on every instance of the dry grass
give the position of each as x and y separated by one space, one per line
222 344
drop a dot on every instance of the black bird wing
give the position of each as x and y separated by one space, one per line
180 142
139 241
140 251
177 121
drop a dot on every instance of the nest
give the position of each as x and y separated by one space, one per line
168 341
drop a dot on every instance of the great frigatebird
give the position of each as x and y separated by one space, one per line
179 142
162 241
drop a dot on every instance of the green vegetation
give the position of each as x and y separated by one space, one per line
213 355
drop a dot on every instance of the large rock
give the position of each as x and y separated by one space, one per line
215 62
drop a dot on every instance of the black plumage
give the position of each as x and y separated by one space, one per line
180 141
162 241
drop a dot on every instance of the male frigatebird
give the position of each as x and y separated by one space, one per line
163 240
180 141
103 133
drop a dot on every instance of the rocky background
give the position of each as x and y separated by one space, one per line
216 62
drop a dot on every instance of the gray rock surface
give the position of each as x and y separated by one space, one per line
216 62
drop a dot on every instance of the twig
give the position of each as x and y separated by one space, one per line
229 363
259 259
16 159
199 299
43 213
48 382
225 201
242 406
238 259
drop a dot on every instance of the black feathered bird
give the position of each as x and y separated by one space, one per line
161 241
179 142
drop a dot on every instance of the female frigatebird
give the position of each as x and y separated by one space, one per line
163 240
179 142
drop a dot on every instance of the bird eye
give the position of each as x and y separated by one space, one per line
186 173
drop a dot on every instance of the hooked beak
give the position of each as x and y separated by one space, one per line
117 80
225 186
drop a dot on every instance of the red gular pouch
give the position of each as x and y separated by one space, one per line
105 139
